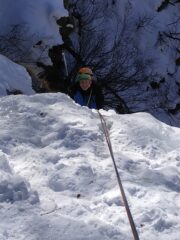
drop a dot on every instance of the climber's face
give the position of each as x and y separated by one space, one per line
85 84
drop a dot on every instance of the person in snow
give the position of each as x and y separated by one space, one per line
85 91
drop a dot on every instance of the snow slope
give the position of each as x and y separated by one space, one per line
57 180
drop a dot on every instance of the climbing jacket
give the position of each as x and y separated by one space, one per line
92 98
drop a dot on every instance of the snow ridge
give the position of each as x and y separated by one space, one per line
56 162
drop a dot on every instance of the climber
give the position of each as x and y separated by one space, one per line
85 91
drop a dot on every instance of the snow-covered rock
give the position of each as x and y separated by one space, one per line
13 77
38 16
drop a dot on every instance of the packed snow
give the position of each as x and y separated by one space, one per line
13 77
57 178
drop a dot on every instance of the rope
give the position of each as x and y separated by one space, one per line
89 98
131 221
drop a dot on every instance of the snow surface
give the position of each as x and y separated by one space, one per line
57 180
13 77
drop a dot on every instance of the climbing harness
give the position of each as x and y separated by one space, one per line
131 221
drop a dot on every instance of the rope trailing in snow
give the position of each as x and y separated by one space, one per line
131 221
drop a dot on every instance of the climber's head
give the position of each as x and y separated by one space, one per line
85 81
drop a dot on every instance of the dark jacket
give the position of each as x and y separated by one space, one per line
92 98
